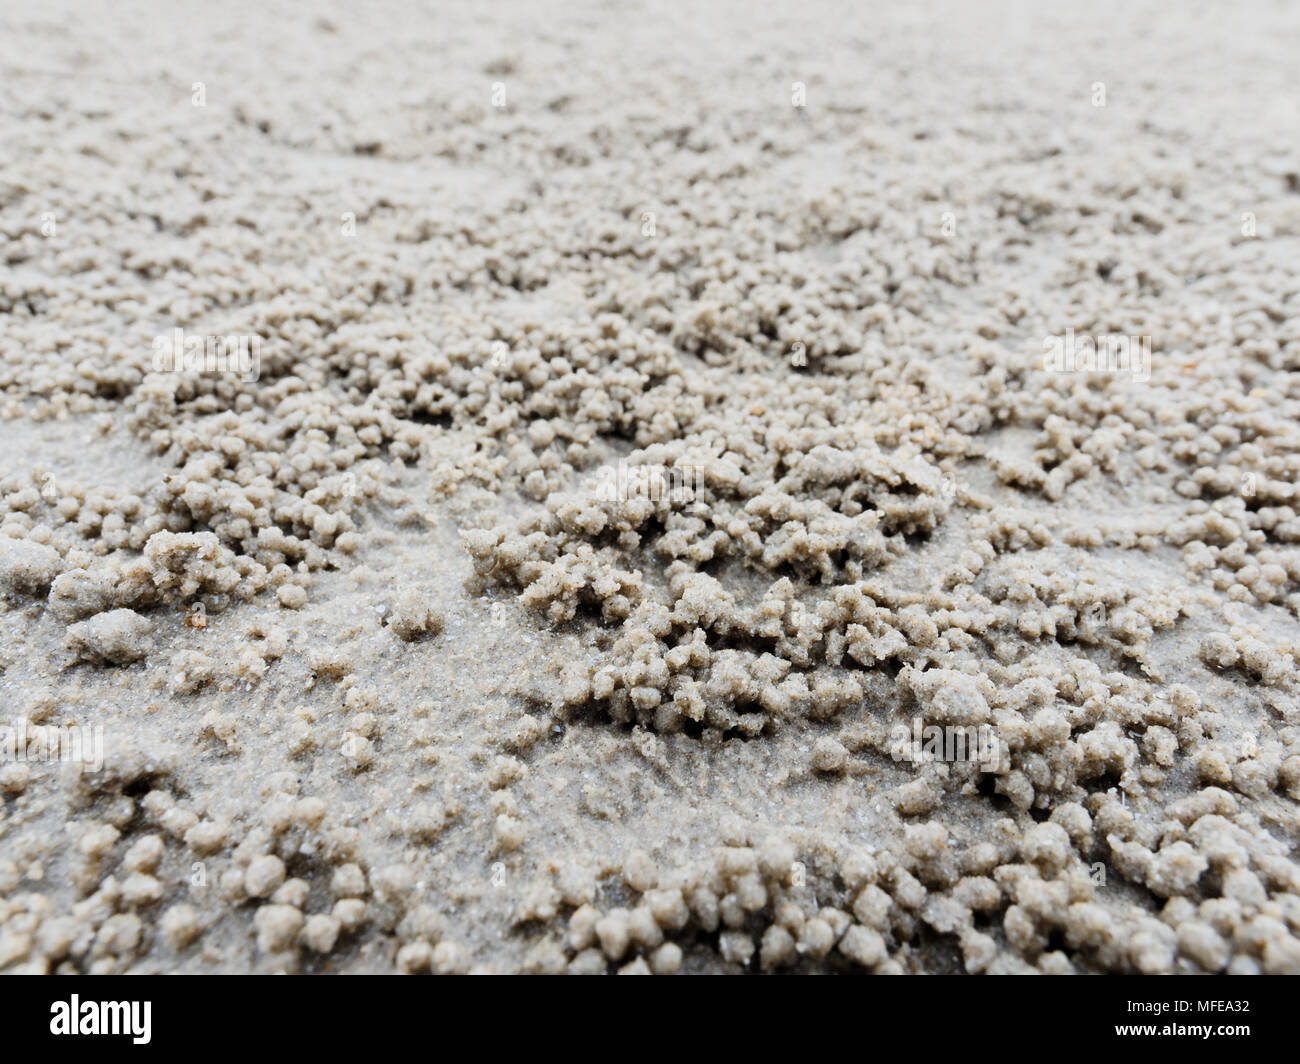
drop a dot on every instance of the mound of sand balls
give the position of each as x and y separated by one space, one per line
655 478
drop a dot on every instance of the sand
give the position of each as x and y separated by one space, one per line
688 488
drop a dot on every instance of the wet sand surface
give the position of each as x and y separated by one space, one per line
654 530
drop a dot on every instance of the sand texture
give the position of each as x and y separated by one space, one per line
690 488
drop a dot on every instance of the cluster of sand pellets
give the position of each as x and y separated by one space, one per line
651 489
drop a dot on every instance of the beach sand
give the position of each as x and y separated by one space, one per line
649 489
